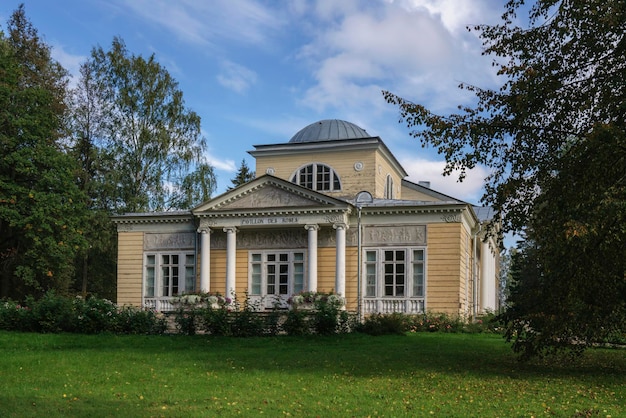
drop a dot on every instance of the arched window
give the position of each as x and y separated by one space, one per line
318 177
389 187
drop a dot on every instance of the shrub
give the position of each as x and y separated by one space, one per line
326 316
297 322
53 313
131 320
384 324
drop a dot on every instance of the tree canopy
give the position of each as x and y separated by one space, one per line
552 136
243 175
41 207
146 132
121 140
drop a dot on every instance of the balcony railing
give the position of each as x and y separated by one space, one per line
370 305
160 304
393 305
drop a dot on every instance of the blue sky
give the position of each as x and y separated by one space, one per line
257 71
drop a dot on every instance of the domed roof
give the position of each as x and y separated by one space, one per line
329 130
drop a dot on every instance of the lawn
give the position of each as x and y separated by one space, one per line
419 374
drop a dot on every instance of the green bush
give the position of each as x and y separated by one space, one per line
384 324
53 313
297 322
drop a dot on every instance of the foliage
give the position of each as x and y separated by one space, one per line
149 140
570 287
422 374
552 137
243 175
54 313
384 324
42 211
297 322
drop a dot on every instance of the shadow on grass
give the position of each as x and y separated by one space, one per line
479 355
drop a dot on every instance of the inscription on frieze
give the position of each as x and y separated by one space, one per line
392 235
173 241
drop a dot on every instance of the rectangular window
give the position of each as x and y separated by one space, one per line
169 274
370 274
418 274
279 273
394 273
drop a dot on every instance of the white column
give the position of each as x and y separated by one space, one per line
340 269
205 260
488 293
231 260
312 256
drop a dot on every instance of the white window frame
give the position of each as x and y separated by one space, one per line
158 288
316 181
377 288
265 268
389 187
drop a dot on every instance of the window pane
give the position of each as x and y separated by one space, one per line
255 286
418 279
175 283
150 260
150 281
370 256
190 280
165 281
256 257
298 256
370 280
298 277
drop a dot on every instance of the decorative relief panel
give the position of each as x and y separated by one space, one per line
269 197
281 238
394 235
175 241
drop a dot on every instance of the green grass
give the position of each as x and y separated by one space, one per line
348 375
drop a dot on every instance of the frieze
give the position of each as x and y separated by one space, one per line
285 238
451 218
393 235
181 240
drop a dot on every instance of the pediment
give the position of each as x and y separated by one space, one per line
268 192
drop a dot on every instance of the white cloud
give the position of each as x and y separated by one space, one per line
206 23
470 190
221 164
69 61
236 77
413 48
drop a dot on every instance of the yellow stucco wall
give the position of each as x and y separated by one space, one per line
129 268
352 181
446 269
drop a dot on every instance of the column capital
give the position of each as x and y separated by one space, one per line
228 229
340 225
312 227
204 230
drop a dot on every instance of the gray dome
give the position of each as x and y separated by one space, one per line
329 130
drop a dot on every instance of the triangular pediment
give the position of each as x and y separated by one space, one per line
268 192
